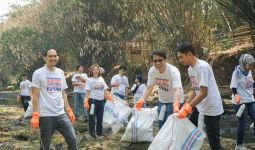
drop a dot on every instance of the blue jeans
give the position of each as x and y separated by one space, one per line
79 101
169 111
249 110
119 95
97 116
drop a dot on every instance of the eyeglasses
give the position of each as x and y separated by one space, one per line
158 60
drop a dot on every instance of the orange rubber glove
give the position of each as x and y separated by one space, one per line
18 98
86 104
35 120
139 104
237 98
185 110
108 95
176 106
70 114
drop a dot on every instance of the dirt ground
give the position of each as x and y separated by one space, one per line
16 133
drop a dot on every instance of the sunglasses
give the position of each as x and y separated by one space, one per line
158 60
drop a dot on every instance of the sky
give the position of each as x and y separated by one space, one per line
5 5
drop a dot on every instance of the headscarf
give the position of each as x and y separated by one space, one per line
243 61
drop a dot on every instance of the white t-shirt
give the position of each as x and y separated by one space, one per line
96 86
123 84
202 75
25 88
139 92
243 85
81 87
51 85
166 82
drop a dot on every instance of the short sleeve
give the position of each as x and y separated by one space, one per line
234 80
85 76
74 78
64 86
87 87
151 79
127 82
105 85
113 80
36 80
204 77
176 78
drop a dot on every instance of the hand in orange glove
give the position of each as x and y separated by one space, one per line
70 114
186 109
139 104
18 98
108 95
176 106
35 120
237 98
86 104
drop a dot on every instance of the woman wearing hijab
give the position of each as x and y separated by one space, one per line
138 89
242 85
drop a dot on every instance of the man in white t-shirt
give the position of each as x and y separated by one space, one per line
25 91
50 102
119 84
167 78
79 82
205 97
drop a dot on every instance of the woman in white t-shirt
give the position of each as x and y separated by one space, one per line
138 89
242 85
94 102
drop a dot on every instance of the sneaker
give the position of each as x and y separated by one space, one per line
93 135
240 147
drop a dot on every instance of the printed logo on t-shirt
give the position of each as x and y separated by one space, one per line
194 84
248 83
99 86
163 84
54 84
23 86
123 81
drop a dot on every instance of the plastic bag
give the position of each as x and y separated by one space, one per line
178 134
116 114
29 110
140 126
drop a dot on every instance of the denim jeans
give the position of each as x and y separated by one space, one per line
119 95
97 116
25 100
61 123
212 124
169 111
249 110
78 102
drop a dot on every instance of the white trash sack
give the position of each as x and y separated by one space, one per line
140 126
116 113
29 110
178 134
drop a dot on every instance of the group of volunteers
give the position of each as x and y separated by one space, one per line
51 110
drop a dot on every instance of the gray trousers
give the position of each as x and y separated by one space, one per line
61 123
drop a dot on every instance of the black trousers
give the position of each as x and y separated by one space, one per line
96 120
24 100
212 124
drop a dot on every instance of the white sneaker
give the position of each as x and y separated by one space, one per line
240 147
